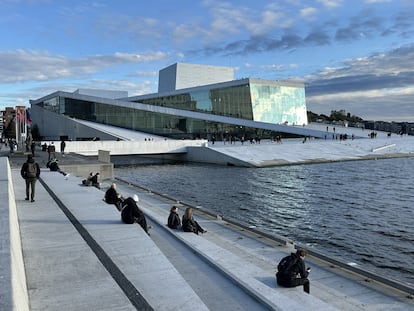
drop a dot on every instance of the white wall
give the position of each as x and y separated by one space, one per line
130 147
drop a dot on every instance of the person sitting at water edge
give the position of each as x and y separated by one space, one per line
113 197
174 221
294 273
131 213
189 224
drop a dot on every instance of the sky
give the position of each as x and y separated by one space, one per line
356 56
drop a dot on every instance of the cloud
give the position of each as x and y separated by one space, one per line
378 71
380 84
308 13
24 65
330 3
363 25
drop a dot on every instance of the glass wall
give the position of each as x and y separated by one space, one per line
230 101
279 104
259 102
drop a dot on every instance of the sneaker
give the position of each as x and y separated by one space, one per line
27 199
32 200
67 176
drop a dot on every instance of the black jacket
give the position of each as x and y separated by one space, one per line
23 171
174 220
297 270
130 212
111 196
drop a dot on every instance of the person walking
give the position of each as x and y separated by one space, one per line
30 172
292 271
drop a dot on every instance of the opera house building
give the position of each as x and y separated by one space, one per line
193 101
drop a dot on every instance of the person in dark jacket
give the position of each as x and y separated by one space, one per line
54 167
189 224
174 221
131 213
30 172
113 197
297 274
95 180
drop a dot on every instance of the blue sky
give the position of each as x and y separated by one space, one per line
352 55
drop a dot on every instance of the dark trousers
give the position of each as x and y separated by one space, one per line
295 282
30 184
142 222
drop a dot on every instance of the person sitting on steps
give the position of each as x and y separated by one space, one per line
174 221
95 181
131 213
294 273
189 224
54 167
88 180
113 197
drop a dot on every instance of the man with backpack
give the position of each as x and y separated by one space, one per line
292 271
30 172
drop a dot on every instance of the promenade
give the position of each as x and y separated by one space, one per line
76 254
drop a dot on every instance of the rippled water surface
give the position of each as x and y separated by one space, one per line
360 211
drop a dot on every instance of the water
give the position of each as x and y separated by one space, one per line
359 211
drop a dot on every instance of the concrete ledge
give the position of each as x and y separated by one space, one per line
13 290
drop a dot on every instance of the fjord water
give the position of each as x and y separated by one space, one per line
358 211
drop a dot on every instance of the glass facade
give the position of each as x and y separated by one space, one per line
269 103
279 104
262 102
231 101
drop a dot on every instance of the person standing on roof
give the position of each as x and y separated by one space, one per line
30 172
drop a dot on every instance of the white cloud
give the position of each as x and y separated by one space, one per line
330 3
24 65
308 13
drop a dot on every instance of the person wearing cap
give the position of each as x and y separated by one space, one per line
131 213
30 172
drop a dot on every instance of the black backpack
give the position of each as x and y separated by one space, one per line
285 265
